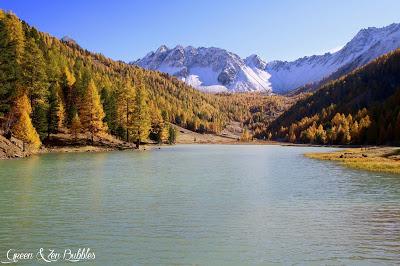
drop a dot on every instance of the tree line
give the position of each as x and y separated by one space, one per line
49 86
362 107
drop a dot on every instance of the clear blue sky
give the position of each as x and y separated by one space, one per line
285 29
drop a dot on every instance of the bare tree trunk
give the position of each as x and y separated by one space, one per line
137 143
138 140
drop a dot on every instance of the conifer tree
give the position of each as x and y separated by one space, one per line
39 119
76 126
55 114
126 103
34 72
11 57
246 136
157 131
91 112
68 84
110 106
172 135
23 128
141 118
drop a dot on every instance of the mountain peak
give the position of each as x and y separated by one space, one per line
163 48
255 61
210 69
68 40
215 69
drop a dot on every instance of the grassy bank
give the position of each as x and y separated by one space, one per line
379 159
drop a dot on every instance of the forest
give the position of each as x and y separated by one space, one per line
49 86
362 107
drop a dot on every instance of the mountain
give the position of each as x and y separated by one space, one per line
367 45
209 69
47 85
360 107
214 69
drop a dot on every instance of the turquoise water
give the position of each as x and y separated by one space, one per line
200 205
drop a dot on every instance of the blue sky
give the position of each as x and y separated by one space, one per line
285 29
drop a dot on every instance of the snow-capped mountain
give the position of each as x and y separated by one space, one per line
367 45
209 69
214 69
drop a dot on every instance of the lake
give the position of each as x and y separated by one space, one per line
201 204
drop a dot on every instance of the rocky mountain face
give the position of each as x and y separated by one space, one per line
209 69
215 70
367 45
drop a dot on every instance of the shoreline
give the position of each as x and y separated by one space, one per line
385 159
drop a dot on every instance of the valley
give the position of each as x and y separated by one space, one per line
62 91
200 132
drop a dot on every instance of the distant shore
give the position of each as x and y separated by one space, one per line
381 159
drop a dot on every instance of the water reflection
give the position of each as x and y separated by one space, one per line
201 205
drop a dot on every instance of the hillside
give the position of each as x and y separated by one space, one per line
358 108
49 85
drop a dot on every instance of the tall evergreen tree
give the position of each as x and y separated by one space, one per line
141 119
11 57
55 114
91 112
127 102
34 72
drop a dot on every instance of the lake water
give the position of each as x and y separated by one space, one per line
201 205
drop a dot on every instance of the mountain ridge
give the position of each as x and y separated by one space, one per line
222 70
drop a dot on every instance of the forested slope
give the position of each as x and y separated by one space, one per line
49 85
361 107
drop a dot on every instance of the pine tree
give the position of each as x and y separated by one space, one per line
23 128
91 112
55 113
11 56
157 125
126 106
76 126
163 135
109 102
172 135
34 72
141 118
68 90
39 119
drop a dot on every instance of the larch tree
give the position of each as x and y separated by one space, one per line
91 112
126 106
23 128
141 119
157 131
68 84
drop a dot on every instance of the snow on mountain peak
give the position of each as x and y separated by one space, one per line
366 45
215 69
210 69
